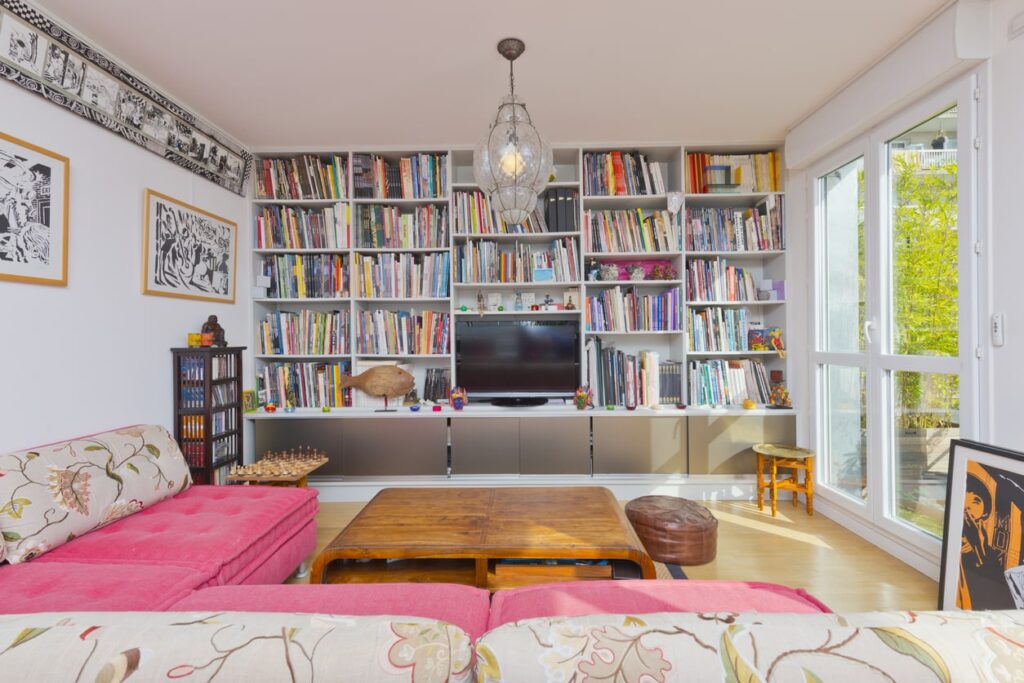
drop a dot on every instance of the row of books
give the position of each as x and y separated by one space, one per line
309 276
223 421
626 379
218 477
756 229
402 332
621 173
224 449
474 215
302 177
303 333
623 231
190 380
304 385
719 329
286 227
716 280
387 227
223 366
402 276
420 176
223 394
561 209
618 310
437 384
728 382
732 172
492 262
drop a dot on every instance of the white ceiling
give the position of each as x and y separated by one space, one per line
321 74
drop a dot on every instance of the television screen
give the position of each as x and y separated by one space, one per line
518 358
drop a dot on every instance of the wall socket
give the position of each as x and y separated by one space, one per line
998 329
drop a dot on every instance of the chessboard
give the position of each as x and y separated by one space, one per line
283 468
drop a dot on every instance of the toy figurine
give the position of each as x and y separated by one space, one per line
480 306
775 339
757 340
213 328
779 393
570 305
584 398
548 302
457 398
593 269
519 301
535 307
270 408
636 272
609 271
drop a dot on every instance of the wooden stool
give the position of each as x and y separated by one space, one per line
790 457
674 530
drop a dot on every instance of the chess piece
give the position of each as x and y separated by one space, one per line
212 327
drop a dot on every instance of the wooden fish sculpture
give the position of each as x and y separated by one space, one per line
383 380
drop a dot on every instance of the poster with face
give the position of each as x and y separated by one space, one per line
982 550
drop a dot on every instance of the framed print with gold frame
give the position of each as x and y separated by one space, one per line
983 544
188 253
34 184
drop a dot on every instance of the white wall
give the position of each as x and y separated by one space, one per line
94 355
1007 225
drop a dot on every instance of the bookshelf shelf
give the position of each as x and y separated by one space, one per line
398 250
518 237
666 169
401 201
734 255
708 304
335 250
515 285
295 300
631 255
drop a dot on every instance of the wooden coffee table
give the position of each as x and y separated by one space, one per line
462 535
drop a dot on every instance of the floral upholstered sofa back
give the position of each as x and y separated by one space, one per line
52 494
887 646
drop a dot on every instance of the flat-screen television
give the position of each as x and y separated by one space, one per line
517 359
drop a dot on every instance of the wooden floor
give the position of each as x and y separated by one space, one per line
844 571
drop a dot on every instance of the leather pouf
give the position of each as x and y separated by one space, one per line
674 530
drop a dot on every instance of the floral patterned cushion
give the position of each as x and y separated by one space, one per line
231 646
892 646
52 494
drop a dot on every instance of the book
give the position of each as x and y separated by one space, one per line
474 215
727 382
389 227
384 332
741 173
627 310
306 385
712 280
724 229
717 329
420 176
306 276
304 332
285 227
621 173
402 276
305 176
631 231
481 261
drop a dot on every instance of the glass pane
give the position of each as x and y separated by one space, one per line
927 416
844 429
923 177
842 235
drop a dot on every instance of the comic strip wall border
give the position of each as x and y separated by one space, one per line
54 32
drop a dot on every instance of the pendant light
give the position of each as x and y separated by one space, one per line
512 163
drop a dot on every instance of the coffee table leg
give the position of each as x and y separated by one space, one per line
316 574
481 572
774 483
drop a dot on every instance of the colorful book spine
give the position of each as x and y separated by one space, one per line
402 276
405 333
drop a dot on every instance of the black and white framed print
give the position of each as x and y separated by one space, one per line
33 213
984 533
189 253
23 45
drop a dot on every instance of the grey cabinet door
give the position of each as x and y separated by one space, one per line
485 445
640 445
395 446
290 433
554 445
721 445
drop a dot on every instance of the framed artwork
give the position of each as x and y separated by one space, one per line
983 541
187 252
33 213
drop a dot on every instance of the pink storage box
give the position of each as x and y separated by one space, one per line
579 598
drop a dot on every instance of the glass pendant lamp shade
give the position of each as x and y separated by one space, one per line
512 163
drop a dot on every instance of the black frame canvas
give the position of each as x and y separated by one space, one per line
983 531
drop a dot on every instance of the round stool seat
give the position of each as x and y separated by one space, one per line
674 530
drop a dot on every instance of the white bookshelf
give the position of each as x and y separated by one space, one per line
670 345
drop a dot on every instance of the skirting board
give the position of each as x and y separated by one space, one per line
625 487
922 561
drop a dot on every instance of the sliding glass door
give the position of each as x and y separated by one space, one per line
895 327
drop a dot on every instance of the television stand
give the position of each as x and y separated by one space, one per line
519 401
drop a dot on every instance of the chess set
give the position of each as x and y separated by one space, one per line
281 466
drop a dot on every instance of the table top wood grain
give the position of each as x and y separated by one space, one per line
481 525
